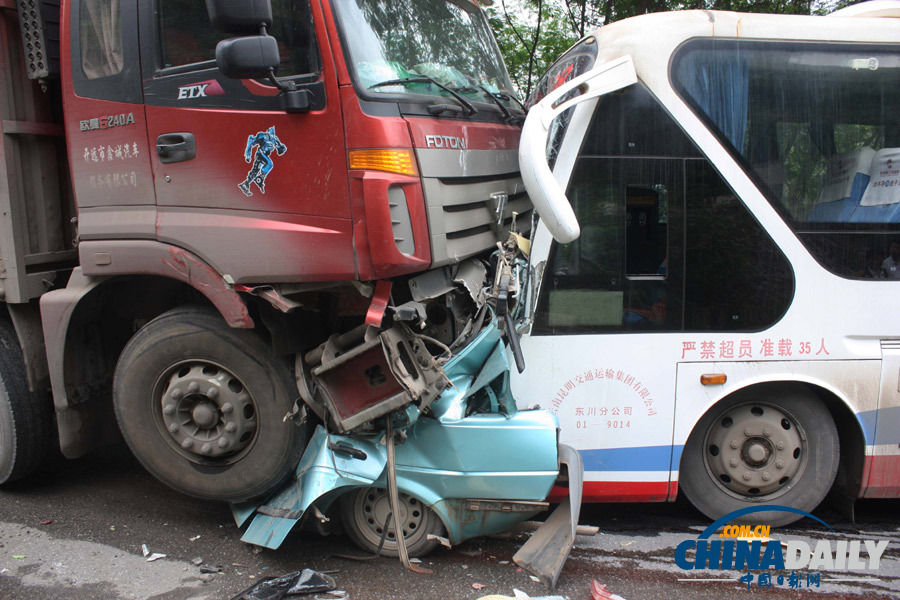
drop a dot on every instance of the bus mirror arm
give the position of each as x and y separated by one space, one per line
547 195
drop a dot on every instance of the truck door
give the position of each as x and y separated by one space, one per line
105 126
670 265
259 193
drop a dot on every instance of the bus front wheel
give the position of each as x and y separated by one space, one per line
780 450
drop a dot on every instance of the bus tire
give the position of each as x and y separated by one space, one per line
364 512
202 406
26 418
780 449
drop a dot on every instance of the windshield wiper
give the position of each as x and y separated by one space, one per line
426 79
507 95
506 114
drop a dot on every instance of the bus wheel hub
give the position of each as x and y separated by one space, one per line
754 450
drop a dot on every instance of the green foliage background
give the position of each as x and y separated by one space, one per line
533 33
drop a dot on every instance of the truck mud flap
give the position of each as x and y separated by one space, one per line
546 552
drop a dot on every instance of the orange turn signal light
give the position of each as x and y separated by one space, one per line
713 379
391 160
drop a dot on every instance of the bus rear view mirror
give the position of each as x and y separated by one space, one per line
547 195
240 17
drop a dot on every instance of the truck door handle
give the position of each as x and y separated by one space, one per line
176 147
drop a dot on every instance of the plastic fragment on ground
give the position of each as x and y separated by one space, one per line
150 556
478 586
599 592
520 595
297 583
441 540
210 570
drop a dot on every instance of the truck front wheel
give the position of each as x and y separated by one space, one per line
756 450
201 405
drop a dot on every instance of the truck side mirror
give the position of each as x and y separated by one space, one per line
252 57
240 17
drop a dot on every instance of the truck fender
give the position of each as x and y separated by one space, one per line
102 261
147 257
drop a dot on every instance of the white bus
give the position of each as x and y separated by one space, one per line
716 304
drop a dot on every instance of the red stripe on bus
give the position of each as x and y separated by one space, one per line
883 477
621 491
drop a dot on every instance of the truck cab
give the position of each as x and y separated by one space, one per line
360 181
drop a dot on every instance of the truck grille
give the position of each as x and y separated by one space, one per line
462 214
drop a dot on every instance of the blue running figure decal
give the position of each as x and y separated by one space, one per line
265 143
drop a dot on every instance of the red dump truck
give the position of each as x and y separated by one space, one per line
225 225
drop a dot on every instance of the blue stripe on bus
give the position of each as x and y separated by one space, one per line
644 458
888 425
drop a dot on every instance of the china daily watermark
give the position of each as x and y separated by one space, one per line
752 549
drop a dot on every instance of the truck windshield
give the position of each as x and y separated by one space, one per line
448 41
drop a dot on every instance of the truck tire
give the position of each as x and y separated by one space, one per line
781 450
202 406
363 514
26 418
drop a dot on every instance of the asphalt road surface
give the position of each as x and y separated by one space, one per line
77 533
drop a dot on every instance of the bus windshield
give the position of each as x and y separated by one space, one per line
448 41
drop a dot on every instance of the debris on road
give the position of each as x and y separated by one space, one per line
306 581
194 539
47 522
442 540
150 556
478 586
599 592
211 570
197 561
520 595
18 556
